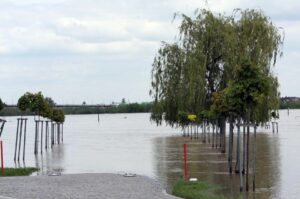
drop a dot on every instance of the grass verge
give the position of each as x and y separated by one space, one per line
18 171
197 190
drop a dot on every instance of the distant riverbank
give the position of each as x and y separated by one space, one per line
144 107
121 108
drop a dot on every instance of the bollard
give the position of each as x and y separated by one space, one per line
185 163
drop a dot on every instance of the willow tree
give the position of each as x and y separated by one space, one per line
166 83
207 59
186 74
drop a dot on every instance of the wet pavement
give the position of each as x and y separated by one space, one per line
87 186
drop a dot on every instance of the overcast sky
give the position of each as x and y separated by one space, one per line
101 51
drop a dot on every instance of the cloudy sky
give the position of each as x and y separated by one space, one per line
100 51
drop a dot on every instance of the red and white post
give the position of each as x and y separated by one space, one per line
185 162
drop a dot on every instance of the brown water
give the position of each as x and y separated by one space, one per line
130 143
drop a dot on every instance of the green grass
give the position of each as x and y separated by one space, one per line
18 171
197 190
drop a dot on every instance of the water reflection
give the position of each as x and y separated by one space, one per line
130 143
51 161
208 164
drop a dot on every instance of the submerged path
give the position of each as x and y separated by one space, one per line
104 186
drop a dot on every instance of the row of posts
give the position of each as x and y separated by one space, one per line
53 134
50 132
193 131
206 132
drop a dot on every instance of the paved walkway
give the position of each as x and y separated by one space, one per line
85 186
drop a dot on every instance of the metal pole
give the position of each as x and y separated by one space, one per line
62 132
35 138
2 161
240 162
254 157
42 128
52 134
46 136
24 139
58 133
16 144
20 138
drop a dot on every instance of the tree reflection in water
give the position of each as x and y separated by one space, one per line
208 164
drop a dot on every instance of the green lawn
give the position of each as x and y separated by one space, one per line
197 190
18 171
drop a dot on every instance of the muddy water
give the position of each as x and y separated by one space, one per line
130 143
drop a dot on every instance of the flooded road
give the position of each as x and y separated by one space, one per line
130 143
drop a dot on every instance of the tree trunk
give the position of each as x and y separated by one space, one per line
247 163
213 136
204 132
240 165
237 165
254 158
223 135
244 149
230 145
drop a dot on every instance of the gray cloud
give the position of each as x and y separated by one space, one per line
102 51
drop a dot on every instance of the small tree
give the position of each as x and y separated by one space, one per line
58 116
50 102
24 102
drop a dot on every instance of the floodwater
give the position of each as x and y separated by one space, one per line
122 143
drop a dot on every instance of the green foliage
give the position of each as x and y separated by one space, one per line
19 171
38 104
183 118
221 65
197 190
50 102
58 116
24 102
290 105
219 108
126 108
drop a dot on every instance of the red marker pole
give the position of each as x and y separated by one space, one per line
185 162
2 162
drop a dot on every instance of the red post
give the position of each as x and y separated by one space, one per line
2 162
185 162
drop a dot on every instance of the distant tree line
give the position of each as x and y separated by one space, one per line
144 107
122 108
284 104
